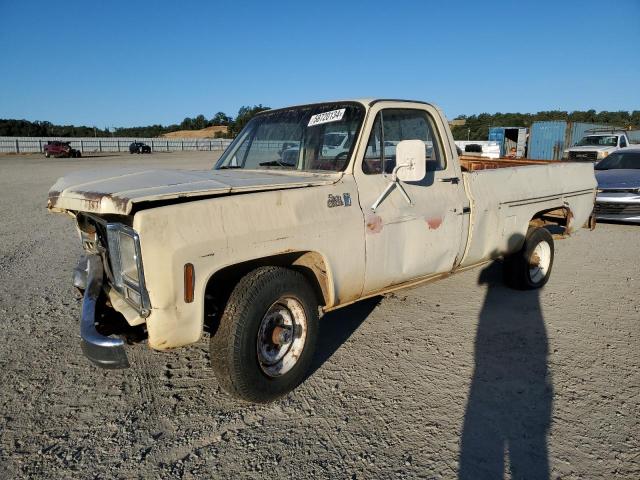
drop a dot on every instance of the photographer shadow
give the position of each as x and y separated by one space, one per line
510 399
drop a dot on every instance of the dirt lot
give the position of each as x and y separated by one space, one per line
459 378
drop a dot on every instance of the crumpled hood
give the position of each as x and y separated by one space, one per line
618 178
115 191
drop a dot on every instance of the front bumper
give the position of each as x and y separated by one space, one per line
618 206
103 351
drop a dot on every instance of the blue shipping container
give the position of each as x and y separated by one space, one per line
580 130
546 140
634 136
549 139
509 137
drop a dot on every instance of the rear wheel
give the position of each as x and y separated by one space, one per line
46 154
530 268
267 334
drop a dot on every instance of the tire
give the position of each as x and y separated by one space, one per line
245 357
530 268
46 154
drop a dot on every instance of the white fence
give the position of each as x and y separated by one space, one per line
112 144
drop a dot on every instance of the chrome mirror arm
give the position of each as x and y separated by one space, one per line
393 183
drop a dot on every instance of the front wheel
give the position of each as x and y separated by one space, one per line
530 267
265 343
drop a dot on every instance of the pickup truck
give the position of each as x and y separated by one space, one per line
255 250
598 144
60 149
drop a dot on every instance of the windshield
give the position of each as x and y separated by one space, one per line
314 137
334 139
620 160
602 140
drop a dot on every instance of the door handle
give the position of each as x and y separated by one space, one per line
454 180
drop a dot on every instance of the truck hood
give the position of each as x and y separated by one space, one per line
115 191
591 148
618 179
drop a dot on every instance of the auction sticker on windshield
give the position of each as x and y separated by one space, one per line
326 117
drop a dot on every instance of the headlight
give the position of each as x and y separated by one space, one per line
126 266
128 258
602 154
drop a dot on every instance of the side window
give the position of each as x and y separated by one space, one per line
623 142
391 127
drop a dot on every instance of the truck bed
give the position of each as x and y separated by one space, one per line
506 194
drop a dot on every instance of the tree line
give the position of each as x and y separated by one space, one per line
476 127
25 128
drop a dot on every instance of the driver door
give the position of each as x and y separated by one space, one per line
409 241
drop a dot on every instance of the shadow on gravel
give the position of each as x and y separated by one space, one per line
337 327
510 399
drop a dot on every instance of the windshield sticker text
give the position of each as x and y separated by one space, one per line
326 117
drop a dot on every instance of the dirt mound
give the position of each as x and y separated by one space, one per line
209 132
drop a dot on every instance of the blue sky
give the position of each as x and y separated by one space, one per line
125 63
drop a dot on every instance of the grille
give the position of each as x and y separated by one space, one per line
583 156
617 209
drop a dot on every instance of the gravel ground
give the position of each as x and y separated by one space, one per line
461 378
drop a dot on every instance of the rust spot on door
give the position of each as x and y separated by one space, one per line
374 224
434 223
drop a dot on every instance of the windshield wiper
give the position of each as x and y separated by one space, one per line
275 163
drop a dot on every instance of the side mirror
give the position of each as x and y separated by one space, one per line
411 163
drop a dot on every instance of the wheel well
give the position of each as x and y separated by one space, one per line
221 283
559 221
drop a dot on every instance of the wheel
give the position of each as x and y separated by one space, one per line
264 345
530 268
78 154
46 154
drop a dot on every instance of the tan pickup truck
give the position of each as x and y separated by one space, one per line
284 228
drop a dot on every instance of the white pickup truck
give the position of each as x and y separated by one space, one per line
598 144
257 248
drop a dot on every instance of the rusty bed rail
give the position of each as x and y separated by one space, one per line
470 163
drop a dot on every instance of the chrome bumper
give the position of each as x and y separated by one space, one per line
103 351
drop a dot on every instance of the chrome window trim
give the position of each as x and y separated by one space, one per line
121 282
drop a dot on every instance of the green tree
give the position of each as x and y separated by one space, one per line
220 118
244 115
199 122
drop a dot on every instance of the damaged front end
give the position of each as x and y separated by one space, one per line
111 268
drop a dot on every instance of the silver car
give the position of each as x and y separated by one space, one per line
618 178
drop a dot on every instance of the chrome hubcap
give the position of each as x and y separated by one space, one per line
281 336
